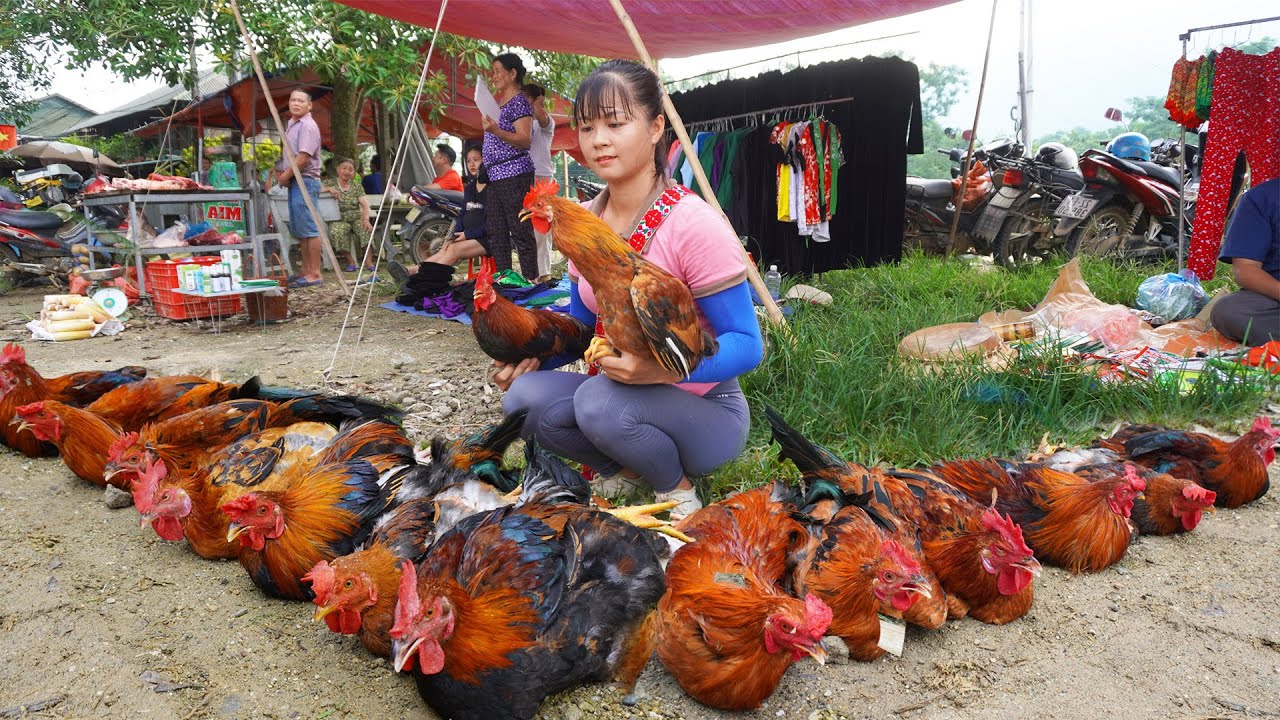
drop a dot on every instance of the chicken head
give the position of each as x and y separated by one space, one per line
1125 492
40 420
1267 440
796 633
255 518
1006 555
1191 504
161 504
421 625
898 578
342 592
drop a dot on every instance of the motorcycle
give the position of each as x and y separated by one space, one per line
930 207
49 185
426 228
39 243
1030 189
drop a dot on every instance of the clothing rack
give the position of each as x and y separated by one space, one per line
1182 135
767 111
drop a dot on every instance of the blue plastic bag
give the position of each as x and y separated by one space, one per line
1172 296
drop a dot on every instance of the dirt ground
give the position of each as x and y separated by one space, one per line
101 619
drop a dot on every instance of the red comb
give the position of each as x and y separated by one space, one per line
817 616
408 607
13 353
121 444
30 409
1263 423
1135 480
894 551
147 484
542 188
322 579
1197 494
1007 529
237 506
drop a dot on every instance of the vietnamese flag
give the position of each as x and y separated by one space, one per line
8 137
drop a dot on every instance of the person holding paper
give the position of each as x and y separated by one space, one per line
506 157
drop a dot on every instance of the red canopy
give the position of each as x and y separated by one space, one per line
239 105
669 29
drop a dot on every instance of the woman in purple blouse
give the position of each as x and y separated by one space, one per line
506 155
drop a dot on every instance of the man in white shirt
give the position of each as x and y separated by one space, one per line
544 127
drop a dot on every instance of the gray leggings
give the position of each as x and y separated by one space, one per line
658 431
1247 313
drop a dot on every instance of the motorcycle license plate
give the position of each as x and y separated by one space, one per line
1077 207
413 214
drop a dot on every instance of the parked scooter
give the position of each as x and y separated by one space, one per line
1030 189
929 206
426 229
49 185
1129 205
38 242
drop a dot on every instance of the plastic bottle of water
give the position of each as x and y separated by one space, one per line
773 281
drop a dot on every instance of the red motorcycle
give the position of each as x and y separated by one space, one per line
1128 207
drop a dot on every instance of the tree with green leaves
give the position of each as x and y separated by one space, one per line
940 89
358 54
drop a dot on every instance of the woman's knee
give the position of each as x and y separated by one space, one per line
599 407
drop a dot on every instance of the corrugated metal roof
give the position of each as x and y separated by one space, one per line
53 116
160 103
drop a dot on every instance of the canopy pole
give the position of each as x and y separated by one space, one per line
973 135
753 275
288 152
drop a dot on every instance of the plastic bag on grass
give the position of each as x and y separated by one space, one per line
1172 296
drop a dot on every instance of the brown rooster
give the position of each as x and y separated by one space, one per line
644 309
1235 471
524 601
82 438
20 385
885 497
136 404
356 593
728 628
1067 520
509 333
1168 506
979 556
186 506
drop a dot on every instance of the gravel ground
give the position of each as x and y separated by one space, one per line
103 620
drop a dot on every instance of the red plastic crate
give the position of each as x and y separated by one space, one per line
175 306
163 274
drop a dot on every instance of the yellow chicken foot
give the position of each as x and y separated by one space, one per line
511 497
598 348
642 517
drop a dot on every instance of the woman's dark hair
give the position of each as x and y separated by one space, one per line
512 61
626 87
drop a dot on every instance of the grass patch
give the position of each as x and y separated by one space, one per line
841 386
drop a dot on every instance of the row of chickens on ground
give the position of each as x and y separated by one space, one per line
496 588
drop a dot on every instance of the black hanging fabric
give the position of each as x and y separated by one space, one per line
880 126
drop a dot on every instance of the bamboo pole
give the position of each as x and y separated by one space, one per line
288 151
753 275
973 134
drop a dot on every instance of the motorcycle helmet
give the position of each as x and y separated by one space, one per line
1131 146
1059 156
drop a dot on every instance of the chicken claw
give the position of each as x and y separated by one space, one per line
511 497
642 517
598 348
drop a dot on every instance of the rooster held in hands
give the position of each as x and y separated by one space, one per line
645 311
1235 471
509 333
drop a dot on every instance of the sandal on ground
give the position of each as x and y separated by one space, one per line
301 282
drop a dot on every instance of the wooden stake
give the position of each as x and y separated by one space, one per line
753 274
288 151
973 134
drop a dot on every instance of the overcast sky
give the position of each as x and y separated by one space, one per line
1087 55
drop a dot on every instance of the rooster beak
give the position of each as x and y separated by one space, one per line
22 424
234 531
524 215
919 586
1032 566
147 518
817 652
402 652
322 611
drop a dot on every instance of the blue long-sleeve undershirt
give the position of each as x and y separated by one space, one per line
733 322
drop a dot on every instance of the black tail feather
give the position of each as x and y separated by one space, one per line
807 455
547 479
